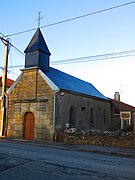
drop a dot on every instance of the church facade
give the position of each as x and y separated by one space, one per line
44 101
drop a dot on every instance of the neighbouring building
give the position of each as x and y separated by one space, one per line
122 114
8 85
44 101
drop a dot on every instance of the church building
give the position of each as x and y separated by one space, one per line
44 101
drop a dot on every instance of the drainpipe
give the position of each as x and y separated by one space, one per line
54 114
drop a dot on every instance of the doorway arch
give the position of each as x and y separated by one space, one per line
29 125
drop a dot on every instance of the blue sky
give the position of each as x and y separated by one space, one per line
111 31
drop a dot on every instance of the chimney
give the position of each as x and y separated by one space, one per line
117 96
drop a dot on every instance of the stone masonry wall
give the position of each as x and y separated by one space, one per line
31 94
72 138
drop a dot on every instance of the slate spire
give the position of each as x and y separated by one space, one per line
37 53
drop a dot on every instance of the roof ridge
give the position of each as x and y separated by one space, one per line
121 102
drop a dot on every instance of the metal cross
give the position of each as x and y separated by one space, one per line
39 18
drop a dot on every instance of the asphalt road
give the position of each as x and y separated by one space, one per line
29 162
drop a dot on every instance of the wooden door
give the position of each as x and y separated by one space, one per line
60 135
29 124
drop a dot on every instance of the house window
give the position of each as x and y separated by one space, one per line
92 114
116 111
126 122
72 120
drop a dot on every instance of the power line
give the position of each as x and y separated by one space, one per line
17 50
1 34
3 40
12 70
8 71
8 44
74 18
17 66
94 58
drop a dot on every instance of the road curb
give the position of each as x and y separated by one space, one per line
70 147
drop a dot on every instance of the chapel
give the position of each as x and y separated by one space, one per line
44 101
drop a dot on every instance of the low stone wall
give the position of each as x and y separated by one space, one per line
73 138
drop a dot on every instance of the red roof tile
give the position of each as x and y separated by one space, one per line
9 81
123 104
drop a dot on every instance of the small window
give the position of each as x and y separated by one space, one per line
83 108
116 111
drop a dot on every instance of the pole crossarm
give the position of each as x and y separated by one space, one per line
5 41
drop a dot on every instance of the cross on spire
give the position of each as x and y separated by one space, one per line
39 18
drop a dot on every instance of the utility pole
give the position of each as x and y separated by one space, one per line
4 82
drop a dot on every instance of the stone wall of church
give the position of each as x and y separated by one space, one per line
31 94
89 113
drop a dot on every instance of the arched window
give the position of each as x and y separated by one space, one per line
104 116
92 114
72 120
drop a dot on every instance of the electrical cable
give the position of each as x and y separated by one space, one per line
71 19
11 65
81 59
94 58
9 41
74 18
17 50
1 34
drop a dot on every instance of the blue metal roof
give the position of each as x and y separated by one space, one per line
59 78
67 82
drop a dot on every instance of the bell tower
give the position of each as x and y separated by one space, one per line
37 53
